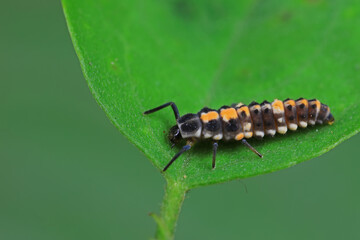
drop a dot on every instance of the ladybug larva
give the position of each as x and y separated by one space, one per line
239 122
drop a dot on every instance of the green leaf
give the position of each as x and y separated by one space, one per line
137 55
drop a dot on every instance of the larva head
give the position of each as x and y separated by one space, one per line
330 119
174 135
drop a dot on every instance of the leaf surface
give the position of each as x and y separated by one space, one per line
136 55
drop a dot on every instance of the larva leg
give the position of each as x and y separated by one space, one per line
250 147
184 149
215 146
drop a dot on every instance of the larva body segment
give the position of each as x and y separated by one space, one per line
279 115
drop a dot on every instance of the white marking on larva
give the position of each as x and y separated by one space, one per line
303 124
282 130
198 133
218 136
259 133
277 110
248 134
207 135
293 126
271 132
267 105
280 120
320 121
247 126
311 122
225 118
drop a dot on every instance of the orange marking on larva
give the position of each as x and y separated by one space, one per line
318 104
303 101
257 107
206 117
278 105
245 109
228 113
239 136
291 102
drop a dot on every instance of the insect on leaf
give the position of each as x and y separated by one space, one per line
136 55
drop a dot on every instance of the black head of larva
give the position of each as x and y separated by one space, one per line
174 135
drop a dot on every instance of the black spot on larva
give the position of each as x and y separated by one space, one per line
189 126
291 118
299 99
303 116
268 124
212 125
266 110
313 106
231 126
289 107
256 111
302 105
258 124
243 114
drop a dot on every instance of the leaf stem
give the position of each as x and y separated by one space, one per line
170 209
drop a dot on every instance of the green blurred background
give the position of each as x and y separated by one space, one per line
67 173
